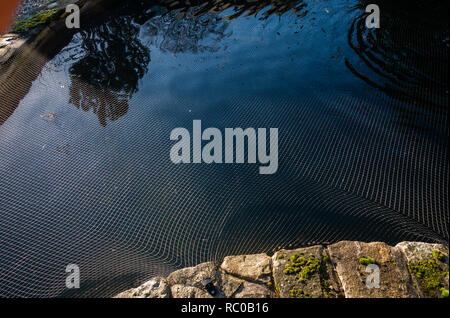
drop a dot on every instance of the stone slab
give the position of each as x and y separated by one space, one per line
304 273
434 274
255 267
358 280
156 287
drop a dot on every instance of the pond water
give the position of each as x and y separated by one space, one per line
85 171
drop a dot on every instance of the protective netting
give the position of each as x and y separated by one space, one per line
362 119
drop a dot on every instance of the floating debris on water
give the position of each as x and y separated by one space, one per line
48 117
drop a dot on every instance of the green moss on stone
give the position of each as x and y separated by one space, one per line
366 261
297 293
444 292
305 268
29 23
429 274
437 254
300 265
296 264
312 266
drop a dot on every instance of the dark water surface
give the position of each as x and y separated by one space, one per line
85 171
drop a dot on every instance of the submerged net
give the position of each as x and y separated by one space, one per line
362 119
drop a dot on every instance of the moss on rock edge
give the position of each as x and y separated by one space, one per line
430 276
29 23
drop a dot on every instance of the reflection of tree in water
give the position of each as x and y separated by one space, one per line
406 57
240 7
107 104
108 74
172 34
114 59
189 25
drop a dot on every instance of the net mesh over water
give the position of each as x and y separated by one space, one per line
363 153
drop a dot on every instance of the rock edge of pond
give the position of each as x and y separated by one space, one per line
346 269
23 55
42 38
